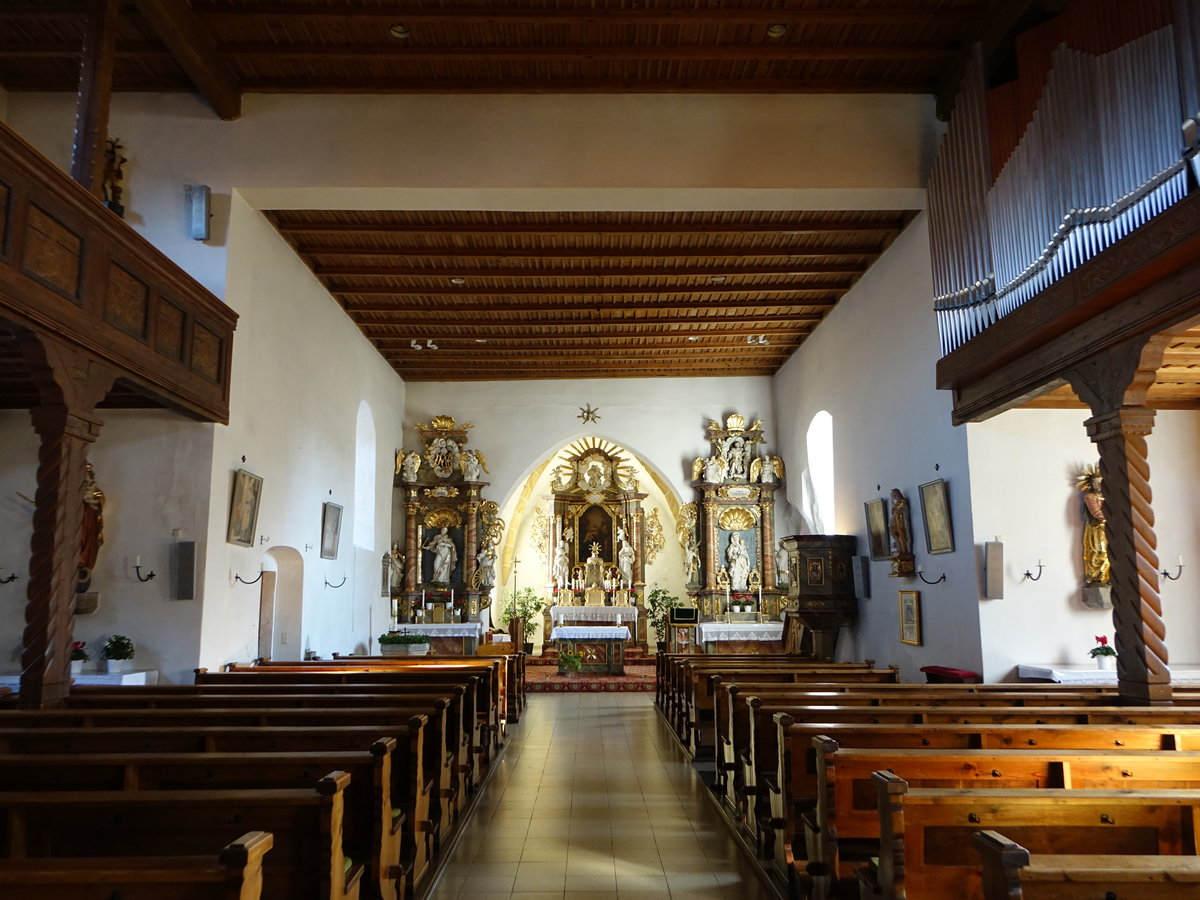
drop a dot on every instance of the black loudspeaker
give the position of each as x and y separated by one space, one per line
183 570
683 615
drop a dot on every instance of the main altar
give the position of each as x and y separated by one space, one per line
443 572
735 573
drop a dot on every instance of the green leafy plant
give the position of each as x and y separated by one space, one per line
79 651
395 637
117 647
526 604
659 602
1101 648
570 662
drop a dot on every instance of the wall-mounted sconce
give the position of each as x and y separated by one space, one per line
137 570
198 196
263 539
307 547
244 581
338 585
1178 572
921 575
10 579
1036 577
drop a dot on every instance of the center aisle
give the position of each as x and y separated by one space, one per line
594 800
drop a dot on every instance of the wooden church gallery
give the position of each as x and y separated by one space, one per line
796 401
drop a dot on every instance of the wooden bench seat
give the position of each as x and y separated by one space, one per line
844 827
233 874
306 861
1011 872
374 829
927 834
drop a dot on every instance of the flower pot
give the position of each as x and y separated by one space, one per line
1105 662
115 666
76 666
403 649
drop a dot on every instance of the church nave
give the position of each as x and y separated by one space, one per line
594 800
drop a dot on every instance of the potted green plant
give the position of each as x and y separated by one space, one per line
569 663
1103 654
396 643
117 651
524 604
79 656
659 603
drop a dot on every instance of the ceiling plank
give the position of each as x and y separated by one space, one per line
695 271
693 326
333 270
816 226
593 307
825 287
194 50
637 252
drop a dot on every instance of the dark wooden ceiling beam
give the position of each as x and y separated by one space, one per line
94 95
362 271
194 50
627 354
438 324
864 83
612 52
594 307
634 252
816 226
915 15
500 272
775 334
464 293
514 374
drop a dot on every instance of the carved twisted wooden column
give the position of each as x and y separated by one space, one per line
70 385
769 575
1114 384
470 538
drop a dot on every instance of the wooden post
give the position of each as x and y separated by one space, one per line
70 384
1114 383
95 93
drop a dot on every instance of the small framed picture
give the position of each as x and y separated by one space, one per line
331 530
243 508
877 531
935 510
910 617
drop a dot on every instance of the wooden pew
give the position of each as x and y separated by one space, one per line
793 794
414 791
926 834
306 861
844 828
1010 872
233 874
374 830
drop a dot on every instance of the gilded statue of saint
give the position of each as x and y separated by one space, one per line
1096 566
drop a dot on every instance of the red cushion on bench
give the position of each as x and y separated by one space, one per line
953 674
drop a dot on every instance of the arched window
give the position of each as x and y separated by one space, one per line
820 471
364 478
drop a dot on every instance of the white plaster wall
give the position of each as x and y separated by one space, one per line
1024 464
891 428
300 370
153 467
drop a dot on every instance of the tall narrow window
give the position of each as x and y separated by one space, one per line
820 471
364 478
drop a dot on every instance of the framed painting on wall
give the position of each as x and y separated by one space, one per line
935 510
243 508
331 530
877 531
910 617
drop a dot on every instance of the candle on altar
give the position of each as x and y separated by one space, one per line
760 596
451 595
422 596
727 599
618 618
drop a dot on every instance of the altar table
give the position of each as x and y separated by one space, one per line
132 676
593 614
1065 673
740 637
451 638
602 647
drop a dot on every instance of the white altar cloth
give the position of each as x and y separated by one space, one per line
133 676
589 633
593 613
739 631
1064 673
447 629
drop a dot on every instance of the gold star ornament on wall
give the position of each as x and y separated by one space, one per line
588 414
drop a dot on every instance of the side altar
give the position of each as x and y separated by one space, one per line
443 571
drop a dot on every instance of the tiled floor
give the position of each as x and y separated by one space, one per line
594 800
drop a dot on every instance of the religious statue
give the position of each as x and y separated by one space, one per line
782 575
473 465
485 569
766 469
691 564
735 454
738 557
411 465
1096 566
714 469
444 557
393 571
443 455
900 531
593 570
625 560
92 532
562 563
